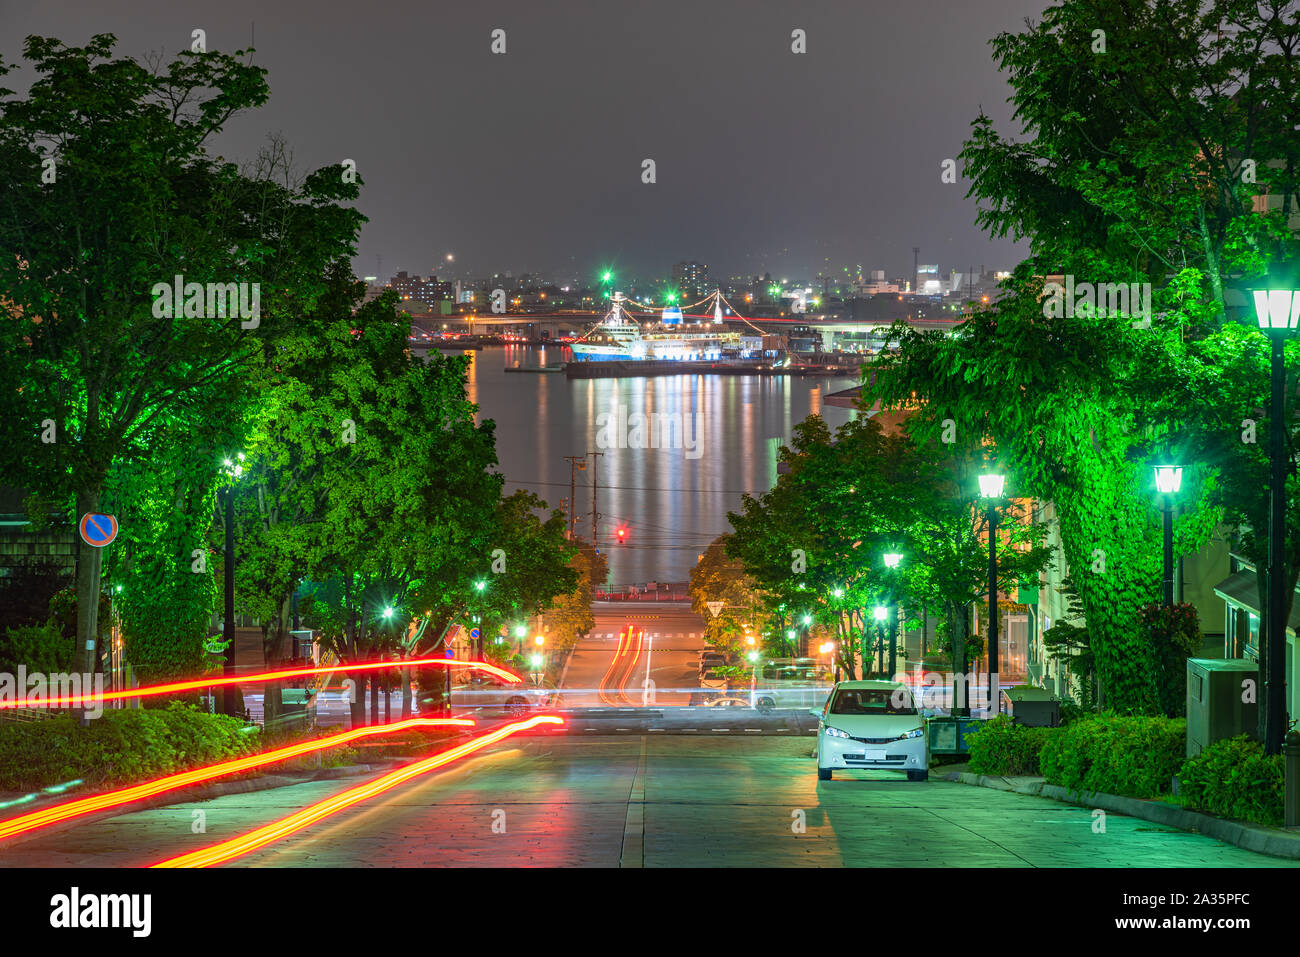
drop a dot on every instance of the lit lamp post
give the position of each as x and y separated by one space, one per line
892 561
1277 310
1169 479
991 488
538 659
234 470
880 612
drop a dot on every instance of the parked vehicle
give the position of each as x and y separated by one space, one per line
871 724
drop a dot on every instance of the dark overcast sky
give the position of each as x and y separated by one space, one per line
531 161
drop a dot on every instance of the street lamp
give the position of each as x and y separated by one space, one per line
991 488
892 561
234 469
1169 479
1277 309
880 613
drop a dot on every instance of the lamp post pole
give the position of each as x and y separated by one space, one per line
1169 479
1169 552
995 701
1277 309
991 488
228 625
1275 718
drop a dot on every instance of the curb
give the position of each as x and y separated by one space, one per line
189 795
1261 840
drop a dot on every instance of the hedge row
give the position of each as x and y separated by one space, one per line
1128 755
1234 778
1138 757
119 747
1003 747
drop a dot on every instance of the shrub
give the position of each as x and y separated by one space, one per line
1174 635
1234 778
1001 746
40 648
1128 755
1071 712
119 747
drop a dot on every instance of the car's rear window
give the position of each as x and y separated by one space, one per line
872 701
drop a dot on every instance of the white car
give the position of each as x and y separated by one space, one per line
871 724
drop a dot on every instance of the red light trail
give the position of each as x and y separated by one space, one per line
276 830
618 653
67 701
99 802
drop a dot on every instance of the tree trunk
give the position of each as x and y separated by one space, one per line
960 635
374 697
357 706
406 691
273 656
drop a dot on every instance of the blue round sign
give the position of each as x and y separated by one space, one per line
473 632
449 653
98 530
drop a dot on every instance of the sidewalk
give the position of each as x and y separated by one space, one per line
1273 841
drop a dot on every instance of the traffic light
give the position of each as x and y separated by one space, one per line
622 535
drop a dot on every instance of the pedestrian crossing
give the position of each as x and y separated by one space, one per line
676 634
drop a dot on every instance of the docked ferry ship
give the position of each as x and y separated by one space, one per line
621 337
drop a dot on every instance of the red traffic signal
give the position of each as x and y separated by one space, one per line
622 533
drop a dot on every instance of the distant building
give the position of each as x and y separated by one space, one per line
417 289
692 279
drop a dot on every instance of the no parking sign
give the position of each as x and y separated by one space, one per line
98 530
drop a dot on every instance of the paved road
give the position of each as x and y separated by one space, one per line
657 801
670 648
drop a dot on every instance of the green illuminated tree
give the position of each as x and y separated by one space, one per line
106 189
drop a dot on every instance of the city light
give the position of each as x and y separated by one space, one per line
174 687
892 559
880 612
991 486
1169 479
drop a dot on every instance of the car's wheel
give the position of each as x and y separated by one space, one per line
824 774
766 704
918 775
517 705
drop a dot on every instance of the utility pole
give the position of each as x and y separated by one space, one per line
594 514
577 463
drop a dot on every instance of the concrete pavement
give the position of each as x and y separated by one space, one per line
653 801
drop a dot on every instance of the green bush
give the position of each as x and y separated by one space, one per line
1001 746
1129 755
1234 778
119 747
1071 712
39 648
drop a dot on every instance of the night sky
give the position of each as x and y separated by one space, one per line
531 161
